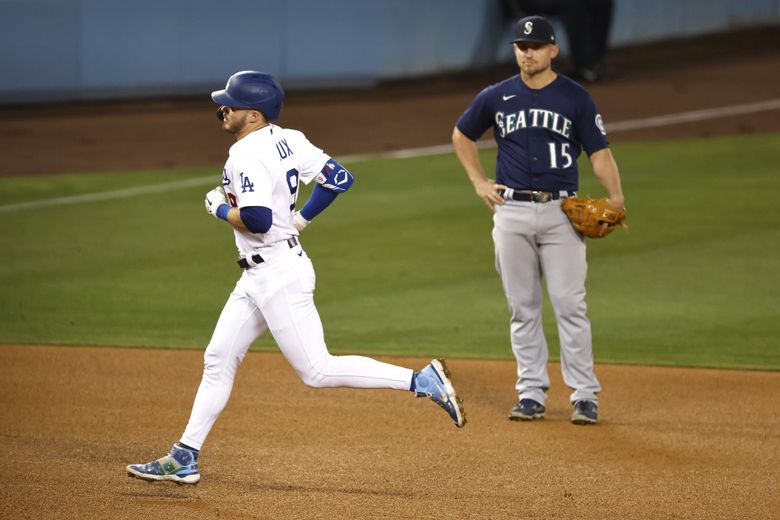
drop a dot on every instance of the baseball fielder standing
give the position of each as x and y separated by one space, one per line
257 198
541 120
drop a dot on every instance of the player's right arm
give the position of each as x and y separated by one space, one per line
476 119
468 155
332 180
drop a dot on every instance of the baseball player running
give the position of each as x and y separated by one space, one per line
276 290
540 121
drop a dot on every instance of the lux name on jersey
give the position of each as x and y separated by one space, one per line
534 118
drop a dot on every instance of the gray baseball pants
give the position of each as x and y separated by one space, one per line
535 241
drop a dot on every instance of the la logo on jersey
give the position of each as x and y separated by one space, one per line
246 184
532 118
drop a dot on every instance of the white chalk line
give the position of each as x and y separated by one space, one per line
621 126
694 115
109 195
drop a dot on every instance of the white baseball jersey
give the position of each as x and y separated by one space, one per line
264 169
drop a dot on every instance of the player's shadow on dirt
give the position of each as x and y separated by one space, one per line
162 492
274 486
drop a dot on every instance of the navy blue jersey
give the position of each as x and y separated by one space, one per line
540 133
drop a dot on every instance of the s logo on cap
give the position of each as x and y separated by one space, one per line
529 26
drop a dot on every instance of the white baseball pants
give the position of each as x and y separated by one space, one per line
278 295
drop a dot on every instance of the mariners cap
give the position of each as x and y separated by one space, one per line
534 29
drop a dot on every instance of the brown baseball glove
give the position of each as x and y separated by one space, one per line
594 218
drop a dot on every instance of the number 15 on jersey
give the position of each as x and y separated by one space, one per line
563 154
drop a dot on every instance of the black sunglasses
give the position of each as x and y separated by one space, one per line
222 109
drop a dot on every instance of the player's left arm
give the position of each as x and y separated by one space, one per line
254 219
332 180
606 171
593 137
252 213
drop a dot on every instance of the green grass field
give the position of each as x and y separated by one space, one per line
405 262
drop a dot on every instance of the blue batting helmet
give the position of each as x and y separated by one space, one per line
252 89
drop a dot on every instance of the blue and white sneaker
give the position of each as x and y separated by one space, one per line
585 412
527 410
434 381
180 466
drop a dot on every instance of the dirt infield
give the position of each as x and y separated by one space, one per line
672 443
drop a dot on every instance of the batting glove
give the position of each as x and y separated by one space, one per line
214 199
299 222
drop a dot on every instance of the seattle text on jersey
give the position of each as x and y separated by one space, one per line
534 118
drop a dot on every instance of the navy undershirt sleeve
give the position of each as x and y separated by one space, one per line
257 219
319 200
